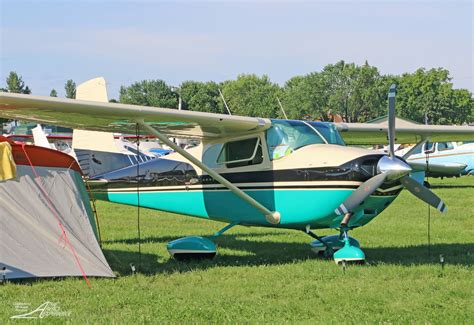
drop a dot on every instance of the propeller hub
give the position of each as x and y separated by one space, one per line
393 168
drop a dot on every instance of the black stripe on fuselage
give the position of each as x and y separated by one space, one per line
173 173
246 188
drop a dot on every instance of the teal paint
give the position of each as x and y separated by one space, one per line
298 208
349 252
182 202
192 244
335 242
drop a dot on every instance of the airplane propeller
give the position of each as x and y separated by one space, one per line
390 168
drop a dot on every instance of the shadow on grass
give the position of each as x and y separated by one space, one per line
121 262
248 253
248 250
460 254
166 239
451 186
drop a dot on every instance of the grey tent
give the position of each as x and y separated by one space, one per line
47 227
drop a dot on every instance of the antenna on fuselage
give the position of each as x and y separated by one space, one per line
281 106
225 103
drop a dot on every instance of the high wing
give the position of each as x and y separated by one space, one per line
112 117
367 134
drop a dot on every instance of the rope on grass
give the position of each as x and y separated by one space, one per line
137 132
427 154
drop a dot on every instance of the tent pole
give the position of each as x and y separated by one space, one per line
95 212
138 196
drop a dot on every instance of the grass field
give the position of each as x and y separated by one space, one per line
266 275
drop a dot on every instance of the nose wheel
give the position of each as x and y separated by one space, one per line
349 253
342 248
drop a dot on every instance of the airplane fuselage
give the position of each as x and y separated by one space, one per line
460 157
304 184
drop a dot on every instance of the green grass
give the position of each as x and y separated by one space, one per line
270 275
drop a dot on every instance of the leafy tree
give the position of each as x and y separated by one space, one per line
305 97
462 107
356 92
201 96
53 93
431 93
250 95
337 79
367 97
149 93
359 93
70 88
15 84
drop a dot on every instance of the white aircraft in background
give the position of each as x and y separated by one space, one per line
98 152
437 159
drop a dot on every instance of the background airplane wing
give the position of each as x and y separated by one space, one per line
112 117
367 134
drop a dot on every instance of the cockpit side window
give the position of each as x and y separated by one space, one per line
277 143
241 153
417 150
284 137
329 132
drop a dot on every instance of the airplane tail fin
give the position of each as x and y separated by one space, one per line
93 90
89 144
39 137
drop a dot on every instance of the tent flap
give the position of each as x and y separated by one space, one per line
31 240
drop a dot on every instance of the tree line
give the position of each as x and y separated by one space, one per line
356 93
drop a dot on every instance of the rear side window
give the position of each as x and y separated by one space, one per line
445 146
241 153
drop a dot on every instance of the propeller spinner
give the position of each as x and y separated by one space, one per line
390 168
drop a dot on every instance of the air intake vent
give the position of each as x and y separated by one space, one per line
369 166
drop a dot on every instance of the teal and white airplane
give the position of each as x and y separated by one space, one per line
249 171
443 159
438 159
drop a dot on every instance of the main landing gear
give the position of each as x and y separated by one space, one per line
195 247
342 248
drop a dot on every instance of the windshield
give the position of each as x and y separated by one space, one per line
284 137
329 132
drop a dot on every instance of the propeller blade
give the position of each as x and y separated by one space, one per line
423 193
361 193
391 119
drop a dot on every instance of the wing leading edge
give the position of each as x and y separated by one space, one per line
112 117
368 134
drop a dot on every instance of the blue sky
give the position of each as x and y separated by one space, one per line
48 42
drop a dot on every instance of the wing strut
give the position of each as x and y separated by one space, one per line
272 217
